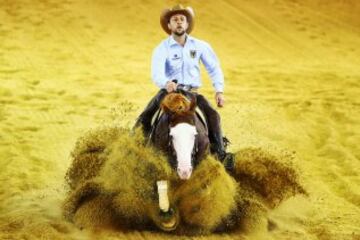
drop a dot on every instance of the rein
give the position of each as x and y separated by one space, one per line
155 121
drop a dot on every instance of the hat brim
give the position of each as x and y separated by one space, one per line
167 13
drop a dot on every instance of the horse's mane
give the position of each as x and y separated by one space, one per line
176 103
179 107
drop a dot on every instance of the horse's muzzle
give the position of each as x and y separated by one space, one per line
184 173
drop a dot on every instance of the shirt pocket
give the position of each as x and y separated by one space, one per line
175 62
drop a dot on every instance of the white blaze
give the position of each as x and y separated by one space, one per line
183 137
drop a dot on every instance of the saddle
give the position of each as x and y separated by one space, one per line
199 113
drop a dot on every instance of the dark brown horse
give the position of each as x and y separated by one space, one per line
181 133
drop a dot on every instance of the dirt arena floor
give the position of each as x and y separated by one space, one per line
292 72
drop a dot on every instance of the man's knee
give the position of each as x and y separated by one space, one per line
205 106
160 95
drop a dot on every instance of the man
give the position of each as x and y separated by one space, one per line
175 64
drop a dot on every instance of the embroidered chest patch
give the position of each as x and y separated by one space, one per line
193 53
175 57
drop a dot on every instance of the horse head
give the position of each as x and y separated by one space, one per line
183 132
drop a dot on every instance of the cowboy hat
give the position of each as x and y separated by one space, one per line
178 9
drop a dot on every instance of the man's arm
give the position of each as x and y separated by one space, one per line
212 65
158 66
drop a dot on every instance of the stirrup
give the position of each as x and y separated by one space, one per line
226 142
229 162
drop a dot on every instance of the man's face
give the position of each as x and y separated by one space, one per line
178 24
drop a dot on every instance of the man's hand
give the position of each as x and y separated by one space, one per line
219 98
170 86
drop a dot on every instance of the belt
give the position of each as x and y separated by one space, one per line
187 87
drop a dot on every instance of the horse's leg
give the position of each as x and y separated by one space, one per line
97 212
252 216
273 180
207 198
80 195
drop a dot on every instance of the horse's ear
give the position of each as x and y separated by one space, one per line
193 103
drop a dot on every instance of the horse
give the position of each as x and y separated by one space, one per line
110 187
181 133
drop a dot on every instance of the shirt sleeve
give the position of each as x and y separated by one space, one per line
158 66
212 65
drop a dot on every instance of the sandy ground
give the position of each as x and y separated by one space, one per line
293 83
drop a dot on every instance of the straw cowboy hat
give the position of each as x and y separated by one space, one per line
178 9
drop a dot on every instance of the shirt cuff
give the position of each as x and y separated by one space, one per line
161 84
219 87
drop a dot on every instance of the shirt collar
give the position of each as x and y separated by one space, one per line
173 42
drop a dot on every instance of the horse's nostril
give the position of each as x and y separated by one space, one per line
184 174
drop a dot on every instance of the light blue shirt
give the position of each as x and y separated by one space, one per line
171 61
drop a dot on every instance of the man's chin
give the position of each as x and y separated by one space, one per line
179 34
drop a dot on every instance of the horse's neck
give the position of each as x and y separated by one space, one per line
200 119
160 134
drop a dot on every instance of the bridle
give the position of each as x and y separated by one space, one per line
183 89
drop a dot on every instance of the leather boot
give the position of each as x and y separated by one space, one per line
218 148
